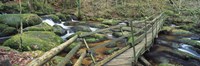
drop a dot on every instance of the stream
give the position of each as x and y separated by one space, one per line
167 49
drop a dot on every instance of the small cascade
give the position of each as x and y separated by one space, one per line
67 28
110 36
93 29
188 49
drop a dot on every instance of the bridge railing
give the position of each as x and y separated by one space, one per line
142 33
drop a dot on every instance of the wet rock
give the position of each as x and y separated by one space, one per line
41 27
34 40
59 30
14 20
81 28
62 16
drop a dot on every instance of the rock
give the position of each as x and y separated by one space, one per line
41 27
95 38
110 22
6 30
34 40
81 28
61 16
111 51
59 30
14 20
53 17
112 45
54 61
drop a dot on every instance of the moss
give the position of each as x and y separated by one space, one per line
166 28
110 22
91 40
6 30
95 38
194 43
119 34
58 30
54 61
14 20
181 32
41 27
61 16
111 51
34 40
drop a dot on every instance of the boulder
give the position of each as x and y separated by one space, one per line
81 28
59 30
119 34
34 40
95 38
14 20
41 27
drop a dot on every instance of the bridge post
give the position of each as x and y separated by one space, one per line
145 30
132 45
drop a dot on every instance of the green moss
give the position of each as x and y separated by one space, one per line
111 51
119 34
54 61
14 20
166 28
34 40
110 22
181 32
95 38
191 42
91 40
6 30
58 30
61 16
41 27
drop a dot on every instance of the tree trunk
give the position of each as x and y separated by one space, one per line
51 53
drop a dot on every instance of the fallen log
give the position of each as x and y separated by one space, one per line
79 61
69 55
51 53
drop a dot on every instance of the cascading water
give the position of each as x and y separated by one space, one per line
52 23
188 49
93 29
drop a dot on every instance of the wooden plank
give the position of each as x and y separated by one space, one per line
51 53
69 55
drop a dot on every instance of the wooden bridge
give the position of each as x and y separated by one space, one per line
142 40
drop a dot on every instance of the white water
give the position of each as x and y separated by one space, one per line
93 29
52 23
187 49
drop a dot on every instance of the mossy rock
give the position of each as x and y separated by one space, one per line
95 38
54 61
180 32
14 20
99 25
41 27
7 48
62 16
59 30
81 28
110 22
6 30
53 17
34 40
194 43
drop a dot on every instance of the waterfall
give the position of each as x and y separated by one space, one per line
188 49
